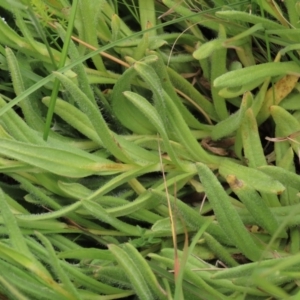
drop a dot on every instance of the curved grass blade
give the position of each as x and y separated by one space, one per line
33 119
151 113
125 111
252 177
11 288
226 215
247 75
68 286
190 218
219 250
286 177
149 276
251 18
16 237
95 117
253 149
62 62
233 122
75 117
134 272
51 215
205 107
255 205
58 161
99 212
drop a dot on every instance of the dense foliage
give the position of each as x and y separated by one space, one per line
149 149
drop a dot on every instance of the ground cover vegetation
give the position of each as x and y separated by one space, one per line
149 149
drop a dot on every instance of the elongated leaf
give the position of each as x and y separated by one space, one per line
207 49
208 291
135 273
122 178
162 72
149 276
205 107
95 117
15 234
90 253
251 18
253 149
189 217
255 205
125 111
232 123
24 261
12 289
17 127
219 250
31 116
59 162
51 215
75 117
226 215
69 288
97 210
218 68
152 115
284 176
247 75
183 134
252 177
79 68
247 270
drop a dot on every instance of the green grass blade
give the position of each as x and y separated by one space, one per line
135 273
226 215
252 177
75 117
15 234
247 75
232 123
57 161
61 64
68 286
12 289
95 117
97 210
255 205
152 115
148 274
125 111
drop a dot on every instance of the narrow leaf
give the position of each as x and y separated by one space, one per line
226 215
252 177
245 76
57 161
135 273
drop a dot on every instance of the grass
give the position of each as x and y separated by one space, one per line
149 150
